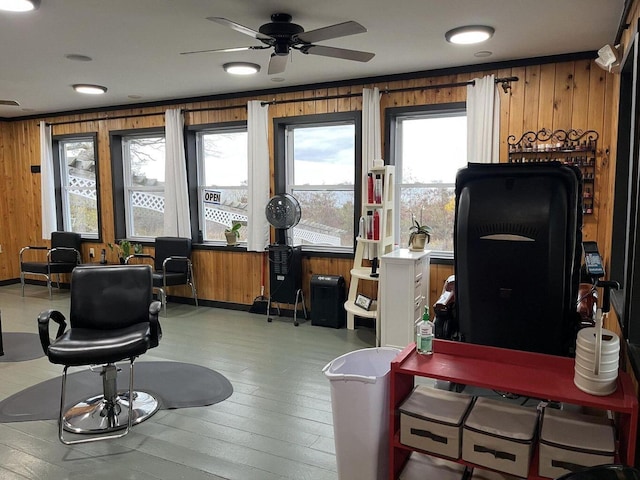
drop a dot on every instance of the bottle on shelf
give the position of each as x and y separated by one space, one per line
370 187
424 334
377 189
369 225
376 225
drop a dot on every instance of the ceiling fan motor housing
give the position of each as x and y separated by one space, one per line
282 30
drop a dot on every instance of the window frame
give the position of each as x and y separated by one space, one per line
118 180
280 127
59 186
624 263
194 174
392 116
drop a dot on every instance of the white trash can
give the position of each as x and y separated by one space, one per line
360 403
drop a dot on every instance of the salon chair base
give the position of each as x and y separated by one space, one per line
102 415
97 415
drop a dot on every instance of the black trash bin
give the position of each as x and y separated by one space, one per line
327 301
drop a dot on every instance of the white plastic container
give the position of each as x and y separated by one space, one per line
360 405
596 363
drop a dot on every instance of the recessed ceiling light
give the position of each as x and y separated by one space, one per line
277 79
483 54
241 68
89 89
77 57
19 5
135 97
469 34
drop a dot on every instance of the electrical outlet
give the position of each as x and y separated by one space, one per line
0 248
92 253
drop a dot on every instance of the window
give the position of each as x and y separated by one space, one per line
316 158
143 184
76 180
428 145
222 180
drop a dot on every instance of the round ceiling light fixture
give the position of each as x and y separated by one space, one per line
89 89
19 5
469 35
241 68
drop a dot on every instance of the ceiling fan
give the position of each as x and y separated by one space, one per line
282 35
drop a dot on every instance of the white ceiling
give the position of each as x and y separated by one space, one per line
136 44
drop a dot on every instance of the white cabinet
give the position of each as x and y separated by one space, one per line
403 294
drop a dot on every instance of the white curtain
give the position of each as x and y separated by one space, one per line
47 188
371 143
177 222
258 153
483 121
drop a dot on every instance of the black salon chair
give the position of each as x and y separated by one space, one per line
604 472
172 266
112 318
62 257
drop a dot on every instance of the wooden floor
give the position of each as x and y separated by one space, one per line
276 425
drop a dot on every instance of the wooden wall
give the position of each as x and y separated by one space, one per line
574 94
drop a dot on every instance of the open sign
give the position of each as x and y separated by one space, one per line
212 197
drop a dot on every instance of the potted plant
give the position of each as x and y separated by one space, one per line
124 248
233 234
420 234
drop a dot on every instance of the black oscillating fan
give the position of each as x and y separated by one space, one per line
283 212
285 272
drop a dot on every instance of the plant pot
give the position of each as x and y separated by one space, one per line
417 241
232 238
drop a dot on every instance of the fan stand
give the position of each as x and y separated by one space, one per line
285 277
300 296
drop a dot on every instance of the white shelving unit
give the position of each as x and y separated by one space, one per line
367 249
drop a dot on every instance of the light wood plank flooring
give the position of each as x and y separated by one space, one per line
276 425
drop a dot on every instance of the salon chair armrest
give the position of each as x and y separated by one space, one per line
156 328
43 327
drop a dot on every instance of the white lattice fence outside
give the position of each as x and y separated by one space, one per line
224 217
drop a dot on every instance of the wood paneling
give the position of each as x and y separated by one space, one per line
564 95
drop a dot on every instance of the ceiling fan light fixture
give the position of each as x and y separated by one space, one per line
241 68
19 5
89 89
469 34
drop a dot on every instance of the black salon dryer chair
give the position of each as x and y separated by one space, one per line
604 472
172 266
113 317
62 257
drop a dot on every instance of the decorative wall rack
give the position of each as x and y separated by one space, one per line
571 147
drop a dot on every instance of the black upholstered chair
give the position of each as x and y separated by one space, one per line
604 472
172 266
113 317
62 257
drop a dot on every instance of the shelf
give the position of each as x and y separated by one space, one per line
352 308
363 273
529 374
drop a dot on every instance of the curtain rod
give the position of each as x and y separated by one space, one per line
505 82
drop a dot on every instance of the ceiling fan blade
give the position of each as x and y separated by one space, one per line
240 28
332 31
218 50
343 53
277 63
